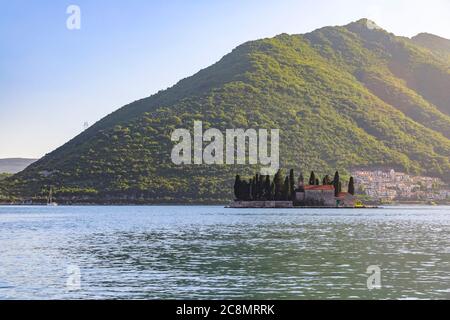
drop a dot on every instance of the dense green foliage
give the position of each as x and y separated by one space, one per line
342 97
259 188
4 176
3 192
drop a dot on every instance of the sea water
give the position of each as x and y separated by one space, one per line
197 252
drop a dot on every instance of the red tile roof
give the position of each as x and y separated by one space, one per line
323 188
343 194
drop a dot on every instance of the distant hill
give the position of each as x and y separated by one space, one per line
432 42
14 165
343 97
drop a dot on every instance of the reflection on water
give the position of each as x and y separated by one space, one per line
212 252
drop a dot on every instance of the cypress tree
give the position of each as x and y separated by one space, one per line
261 188
267 189
254 190
248 191
326 180
237 187
351 186
317 182
257 189
336 177
336 183
256 184
291 185
312 179
278 182
286 189
272 191
244 190
241 190
275 189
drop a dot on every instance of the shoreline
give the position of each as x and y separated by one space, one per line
381 206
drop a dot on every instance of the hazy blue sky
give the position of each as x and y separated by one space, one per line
52 79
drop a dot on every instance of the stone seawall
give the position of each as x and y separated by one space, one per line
261 204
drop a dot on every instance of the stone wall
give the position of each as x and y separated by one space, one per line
325 196
299 196
261 204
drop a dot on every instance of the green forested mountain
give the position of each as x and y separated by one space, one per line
342 97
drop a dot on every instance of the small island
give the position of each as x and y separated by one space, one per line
283 192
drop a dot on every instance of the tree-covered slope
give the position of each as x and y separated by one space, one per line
342 97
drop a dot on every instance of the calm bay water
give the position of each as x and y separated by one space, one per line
176 252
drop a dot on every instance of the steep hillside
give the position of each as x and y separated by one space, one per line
352 96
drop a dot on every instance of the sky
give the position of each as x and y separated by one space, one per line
53 80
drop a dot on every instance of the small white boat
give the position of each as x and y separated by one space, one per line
50 201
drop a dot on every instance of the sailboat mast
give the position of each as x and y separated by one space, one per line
50 196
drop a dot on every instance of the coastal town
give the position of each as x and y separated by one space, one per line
392 186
